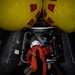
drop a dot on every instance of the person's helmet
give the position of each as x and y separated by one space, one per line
34 43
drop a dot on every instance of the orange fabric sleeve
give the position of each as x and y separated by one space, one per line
47 49
27 56
34 64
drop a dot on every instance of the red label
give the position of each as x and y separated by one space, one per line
51 7
37 15
45 13
50 20
33 7
24 28
31 22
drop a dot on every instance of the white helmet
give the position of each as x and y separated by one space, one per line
35 42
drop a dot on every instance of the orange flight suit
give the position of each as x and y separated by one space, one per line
42 53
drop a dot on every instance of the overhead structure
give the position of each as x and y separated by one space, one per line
60 13
16 14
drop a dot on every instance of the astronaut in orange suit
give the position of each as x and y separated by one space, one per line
36 57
